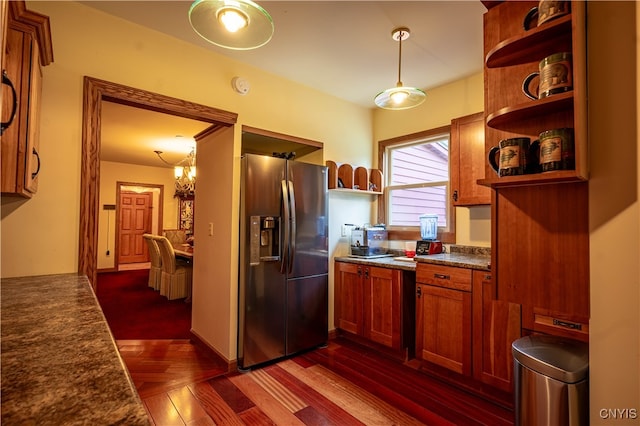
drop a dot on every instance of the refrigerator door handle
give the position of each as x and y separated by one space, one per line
285 225
292 241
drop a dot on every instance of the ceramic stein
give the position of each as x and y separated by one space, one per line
513 156
555 76
546 11
556 150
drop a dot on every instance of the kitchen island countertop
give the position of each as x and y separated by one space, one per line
60 363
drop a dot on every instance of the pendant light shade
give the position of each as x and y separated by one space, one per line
400 97
232 24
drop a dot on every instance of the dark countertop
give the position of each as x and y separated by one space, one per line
460 256
60 363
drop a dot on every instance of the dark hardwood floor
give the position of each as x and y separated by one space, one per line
343 384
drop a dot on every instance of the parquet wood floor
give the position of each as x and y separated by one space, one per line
343 384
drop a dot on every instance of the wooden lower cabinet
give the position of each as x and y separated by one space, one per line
371 302
443 317
496 324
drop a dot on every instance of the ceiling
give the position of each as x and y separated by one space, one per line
342 48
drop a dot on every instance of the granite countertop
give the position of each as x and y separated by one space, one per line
60 363
459 256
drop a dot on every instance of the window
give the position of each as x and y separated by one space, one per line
416 170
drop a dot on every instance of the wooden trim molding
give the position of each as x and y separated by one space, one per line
95 91
275 135
409 233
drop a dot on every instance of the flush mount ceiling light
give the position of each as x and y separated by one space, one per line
232 24
400 97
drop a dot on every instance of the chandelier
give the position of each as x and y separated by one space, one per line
185 174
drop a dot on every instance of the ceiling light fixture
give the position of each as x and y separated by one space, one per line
400 97
185 174
232 24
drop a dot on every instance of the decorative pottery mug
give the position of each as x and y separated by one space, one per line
546 11
556 150
555 76
510 157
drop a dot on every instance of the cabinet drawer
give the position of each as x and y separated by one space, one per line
444 276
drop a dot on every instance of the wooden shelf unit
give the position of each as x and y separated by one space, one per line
355 180
511 54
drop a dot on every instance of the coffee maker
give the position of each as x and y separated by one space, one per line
428 232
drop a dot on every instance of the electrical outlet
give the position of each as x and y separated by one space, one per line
346 229
210 229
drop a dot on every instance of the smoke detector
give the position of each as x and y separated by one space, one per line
240 85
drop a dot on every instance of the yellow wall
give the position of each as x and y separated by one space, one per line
89 42
614 214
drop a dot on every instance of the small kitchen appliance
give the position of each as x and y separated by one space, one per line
369 241
428 232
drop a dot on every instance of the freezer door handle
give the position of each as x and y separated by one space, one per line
285 240
292 213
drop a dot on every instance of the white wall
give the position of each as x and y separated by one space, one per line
110 173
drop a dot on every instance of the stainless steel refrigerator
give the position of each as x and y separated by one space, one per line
283 277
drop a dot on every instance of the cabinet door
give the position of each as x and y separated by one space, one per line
443 328
20 163
496 324
468 161
348 297
382 322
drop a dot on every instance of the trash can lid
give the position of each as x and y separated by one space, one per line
562 359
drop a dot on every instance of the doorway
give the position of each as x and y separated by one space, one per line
96 91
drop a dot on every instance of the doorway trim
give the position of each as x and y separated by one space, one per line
94 92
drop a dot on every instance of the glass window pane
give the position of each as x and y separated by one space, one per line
426 162
406 205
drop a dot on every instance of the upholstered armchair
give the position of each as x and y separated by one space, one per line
176 277
155 272
176 236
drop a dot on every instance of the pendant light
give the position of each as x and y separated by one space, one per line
400 97
232 24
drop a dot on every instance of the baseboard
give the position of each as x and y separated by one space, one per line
232 365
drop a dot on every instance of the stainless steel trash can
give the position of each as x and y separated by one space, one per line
551 381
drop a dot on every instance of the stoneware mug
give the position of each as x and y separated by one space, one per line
546 11
555 76
556 150
510 157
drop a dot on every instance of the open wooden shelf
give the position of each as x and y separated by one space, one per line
551 37
345 178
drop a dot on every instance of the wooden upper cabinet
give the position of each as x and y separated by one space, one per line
27 49
511 54
467 161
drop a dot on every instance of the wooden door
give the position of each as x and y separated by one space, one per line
348 297
443 329
382 312
135 220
